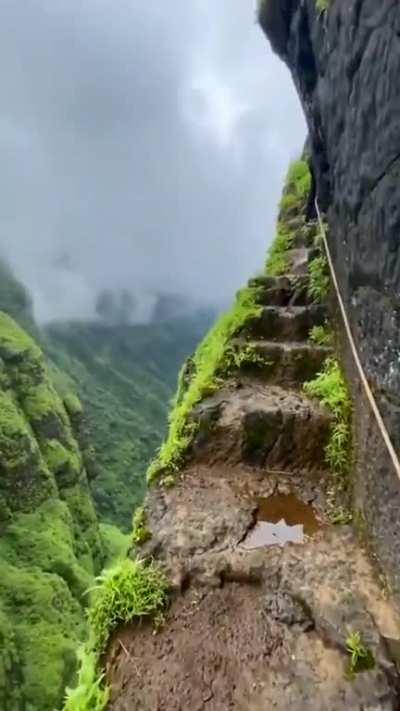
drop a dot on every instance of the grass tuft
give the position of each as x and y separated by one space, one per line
361 657
129 590
210 366
330 389
277 259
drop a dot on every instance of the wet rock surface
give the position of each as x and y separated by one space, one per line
345 63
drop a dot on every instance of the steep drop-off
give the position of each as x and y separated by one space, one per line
344 56
258 457
50 545
125 376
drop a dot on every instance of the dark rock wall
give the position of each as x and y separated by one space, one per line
345 63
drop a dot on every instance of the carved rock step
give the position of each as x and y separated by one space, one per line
291 323
281 291
287 363
267 427
300 258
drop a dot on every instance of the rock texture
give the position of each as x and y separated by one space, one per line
345 63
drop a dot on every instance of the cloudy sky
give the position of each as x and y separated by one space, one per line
142 145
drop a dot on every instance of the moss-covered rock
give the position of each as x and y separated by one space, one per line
50 543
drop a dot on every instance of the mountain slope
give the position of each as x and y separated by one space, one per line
50 544
126 377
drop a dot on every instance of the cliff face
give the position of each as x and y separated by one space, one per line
50 545
344 56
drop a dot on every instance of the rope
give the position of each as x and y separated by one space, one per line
369 394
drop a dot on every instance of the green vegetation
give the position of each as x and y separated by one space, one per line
321 335
277 259
50 545
244 355
125 376
361 657
90 694
297 188
131 589
140 532
115 543
319 278
209 366
330 388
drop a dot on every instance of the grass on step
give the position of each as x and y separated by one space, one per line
361 657
245 354
330 388
297 187
209 366
321 336
129 590
318 286
277 262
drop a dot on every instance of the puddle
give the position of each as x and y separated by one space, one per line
282 518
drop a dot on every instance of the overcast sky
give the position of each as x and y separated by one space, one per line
142 145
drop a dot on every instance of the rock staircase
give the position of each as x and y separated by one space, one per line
265 628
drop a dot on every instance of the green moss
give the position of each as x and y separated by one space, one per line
318 287
140 532
277 259
330 388
209 363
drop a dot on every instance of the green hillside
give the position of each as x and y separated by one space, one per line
126 376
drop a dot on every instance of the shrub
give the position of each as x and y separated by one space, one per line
330 388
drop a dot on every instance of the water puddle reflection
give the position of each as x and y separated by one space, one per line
282 518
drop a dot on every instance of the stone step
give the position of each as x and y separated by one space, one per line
281 291
286 362
261 426
299 259
287 323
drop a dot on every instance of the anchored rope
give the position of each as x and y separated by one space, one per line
370 396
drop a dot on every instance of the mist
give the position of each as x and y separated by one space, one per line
143 148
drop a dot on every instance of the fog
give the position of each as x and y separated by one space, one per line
143 147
